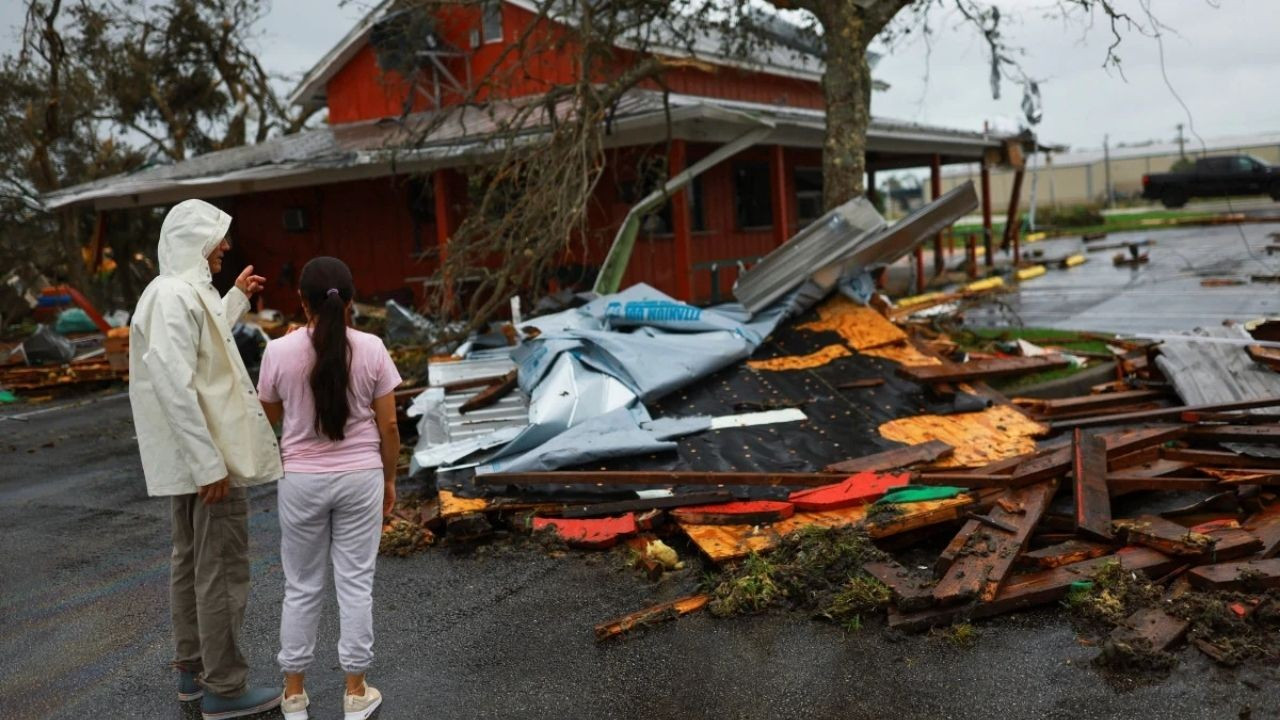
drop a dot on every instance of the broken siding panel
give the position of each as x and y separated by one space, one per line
1205 373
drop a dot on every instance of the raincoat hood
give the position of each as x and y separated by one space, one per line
191 230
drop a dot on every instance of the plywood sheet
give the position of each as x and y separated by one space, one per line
801 362
979 438
453 506
860 326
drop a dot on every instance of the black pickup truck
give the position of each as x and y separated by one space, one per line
1214 177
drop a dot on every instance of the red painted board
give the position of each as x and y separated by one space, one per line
856 490
596 533
746 512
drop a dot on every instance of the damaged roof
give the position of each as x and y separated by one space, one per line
379 148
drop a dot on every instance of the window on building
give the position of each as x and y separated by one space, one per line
808 195
751 197
492 24
661 222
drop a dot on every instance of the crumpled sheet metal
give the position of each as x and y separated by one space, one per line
979 438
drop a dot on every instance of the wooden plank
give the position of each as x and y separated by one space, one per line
1265 525
893 459
1220 458
745 512
1032 589
1137 457
641 504
989 553
1088 403
1122 484
1151 629
1169 413
1166 536
1244 575
1064 553
650 615
969 480
1267 434
1156 468
1232 418
1045 467
492 394
910 592
1123 442
1089 471
982 369
661 478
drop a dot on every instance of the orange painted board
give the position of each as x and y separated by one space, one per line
856 490
590 532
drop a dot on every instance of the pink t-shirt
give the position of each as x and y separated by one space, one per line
284 377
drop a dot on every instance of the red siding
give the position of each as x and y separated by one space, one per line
360 91
369 225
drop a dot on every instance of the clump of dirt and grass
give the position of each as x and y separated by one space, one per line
813 570
1229 627
961 635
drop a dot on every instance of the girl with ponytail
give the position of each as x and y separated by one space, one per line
333 388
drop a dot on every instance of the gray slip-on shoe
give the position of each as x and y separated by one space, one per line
188 688
251 702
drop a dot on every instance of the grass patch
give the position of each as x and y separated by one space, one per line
816 570
960 635
990 339
1148 220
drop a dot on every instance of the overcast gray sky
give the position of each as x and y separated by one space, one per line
1221 56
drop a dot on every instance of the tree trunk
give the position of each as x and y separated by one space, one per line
846 83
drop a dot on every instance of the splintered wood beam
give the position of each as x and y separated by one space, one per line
491 394
1268 434
909 591
989 552
1245 575
622 506
1056 407
1219 458
1122 484
967 480
925 452
1050 465
1064 553
1123 442
1149 628
982 369
1166 536
1169 413
1093 501
663 478
650 615
1265 525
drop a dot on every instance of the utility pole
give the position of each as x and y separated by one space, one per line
1106 167
1182 153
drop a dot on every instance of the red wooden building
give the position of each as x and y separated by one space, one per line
353 190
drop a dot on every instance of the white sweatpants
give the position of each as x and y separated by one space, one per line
327 518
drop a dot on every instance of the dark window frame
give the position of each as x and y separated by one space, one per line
807 195
491 22
752 213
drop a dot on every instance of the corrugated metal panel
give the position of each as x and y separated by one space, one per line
1204 373
510 411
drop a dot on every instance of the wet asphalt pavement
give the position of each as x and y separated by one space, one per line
499 631
1163 294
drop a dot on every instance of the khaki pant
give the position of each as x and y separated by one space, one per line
209 587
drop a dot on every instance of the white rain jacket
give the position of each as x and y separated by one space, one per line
195 409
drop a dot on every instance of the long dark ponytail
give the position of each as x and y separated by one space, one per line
326 289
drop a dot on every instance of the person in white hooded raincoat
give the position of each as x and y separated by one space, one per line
204 439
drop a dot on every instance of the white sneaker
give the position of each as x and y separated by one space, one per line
295 707
360 707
